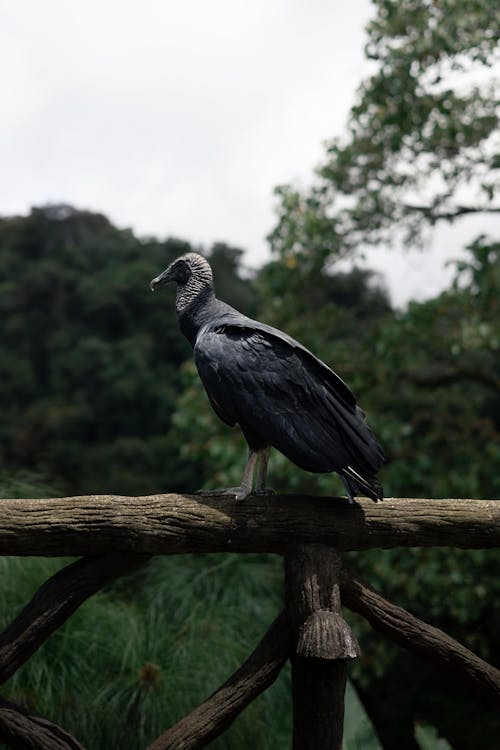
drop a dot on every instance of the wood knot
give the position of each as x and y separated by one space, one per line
326 635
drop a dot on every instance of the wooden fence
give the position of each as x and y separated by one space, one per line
311 534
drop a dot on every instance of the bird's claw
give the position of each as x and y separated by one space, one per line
260 491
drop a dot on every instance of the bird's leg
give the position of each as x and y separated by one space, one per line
260 485
247 478
245 488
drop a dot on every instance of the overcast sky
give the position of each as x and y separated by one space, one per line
178 117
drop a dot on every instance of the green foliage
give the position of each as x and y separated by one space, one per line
359 733
147 650
428 739
438 386
26 483
422 139
153 645
89 358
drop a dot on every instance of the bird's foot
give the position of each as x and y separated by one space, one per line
239 493
259 491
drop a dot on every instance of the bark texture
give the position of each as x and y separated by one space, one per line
324 644
423 639
21 730
171 524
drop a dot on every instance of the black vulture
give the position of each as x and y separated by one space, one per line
274 388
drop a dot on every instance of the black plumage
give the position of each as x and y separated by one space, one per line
275 389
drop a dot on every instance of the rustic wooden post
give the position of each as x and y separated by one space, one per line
324 643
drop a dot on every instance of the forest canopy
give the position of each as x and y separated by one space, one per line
99 394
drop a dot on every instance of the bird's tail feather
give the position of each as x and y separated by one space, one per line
358 485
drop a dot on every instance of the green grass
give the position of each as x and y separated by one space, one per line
138 656
141 654
194 619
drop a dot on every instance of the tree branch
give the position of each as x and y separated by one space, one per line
420 638
452 214
438 377
172 524
217 713
21 730
54 602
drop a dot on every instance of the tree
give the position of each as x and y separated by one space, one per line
422 142
421 147
89 358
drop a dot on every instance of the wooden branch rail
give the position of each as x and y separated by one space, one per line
172 524
54 602
24 731
422 639
309 532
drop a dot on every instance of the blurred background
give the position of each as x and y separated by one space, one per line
338 164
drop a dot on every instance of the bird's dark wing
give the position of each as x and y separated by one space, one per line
281 394
230 319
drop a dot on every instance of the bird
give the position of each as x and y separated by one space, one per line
279 393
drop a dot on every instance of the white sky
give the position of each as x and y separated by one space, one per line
179 117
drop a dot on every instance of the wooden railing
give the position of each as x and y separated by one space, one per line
310 533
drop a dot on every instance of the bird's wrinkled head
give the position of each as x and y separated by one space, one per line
191 273
183 269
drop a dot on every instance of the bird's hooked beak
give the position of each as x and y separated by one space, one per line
162 279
